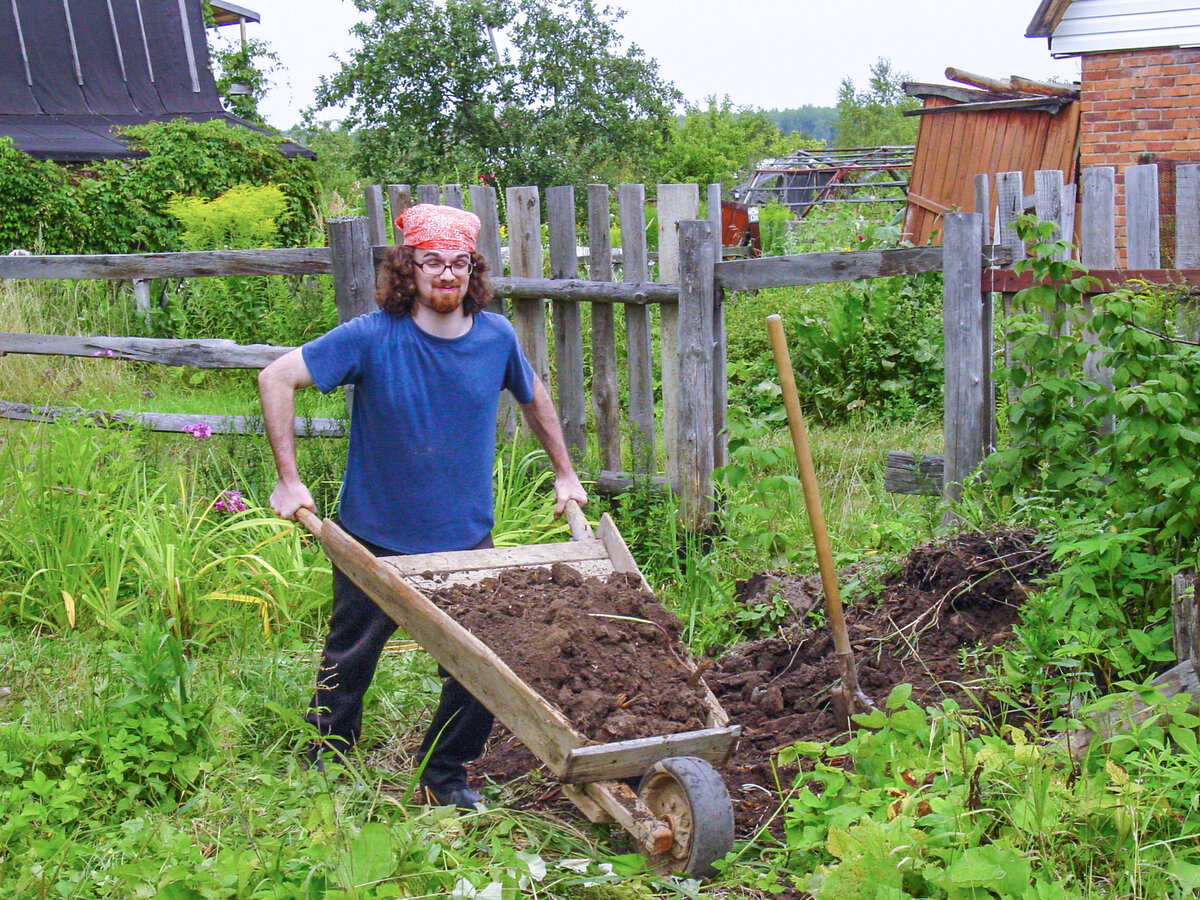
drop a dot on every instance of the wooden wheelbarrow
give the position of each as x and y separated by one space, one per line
680 816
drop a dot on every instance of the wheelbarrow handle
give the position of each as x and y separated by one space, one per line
580 529
309 520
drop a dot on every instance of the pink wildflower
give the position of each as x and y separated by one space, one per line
199 431
105 352
230 501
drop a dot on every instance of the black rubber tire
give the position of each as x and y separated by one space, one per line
690 795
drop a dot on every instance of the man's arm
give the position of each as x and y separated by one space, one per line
277 386
543 420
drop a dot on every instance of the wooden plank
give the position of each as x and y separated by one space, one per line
1010 198
164 422
1187 217
913 473
635 265
606 399
676 203
377 226
568 331
720 343
1184 617
1047 204
538 725
399 199
452 195
823 268
618 550
694 441
983 204
1141 216
965 406
1129 709
632 759
201 354
497 557
995 85
620 804
1106 279
429 193
639 294
483 204
525 260
192 264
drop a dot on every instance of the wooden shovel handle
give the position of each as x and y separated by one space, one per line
808 479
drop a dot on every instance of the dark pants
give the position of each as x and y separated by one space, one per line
358 630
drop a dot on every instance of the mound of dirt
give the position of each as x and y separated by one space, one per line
947 597
606 653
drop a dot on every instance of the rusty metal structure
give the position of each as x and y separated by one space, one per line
807 178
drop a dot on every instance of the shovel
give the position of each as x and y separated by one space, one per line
849 699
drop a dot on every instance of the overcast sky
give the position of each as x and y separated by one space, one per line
762 53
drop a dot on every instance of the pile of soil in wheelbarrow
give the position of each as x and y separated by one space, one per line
928 625
604 652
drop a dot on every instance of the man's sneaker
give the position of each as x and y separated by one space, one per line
459 796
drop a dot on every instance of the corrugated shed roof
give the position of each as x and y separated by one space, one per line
70 70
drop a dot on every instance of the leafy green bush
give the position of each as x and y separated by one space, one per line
40 212
873 346
243 308
120 206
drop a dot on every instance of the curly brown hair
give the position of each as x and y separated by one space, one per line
396 288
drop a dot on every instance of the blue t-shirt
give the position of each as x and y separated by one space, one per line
423 427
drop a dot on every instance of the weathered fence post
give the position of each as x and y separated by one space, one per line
525 260
966 406
353 272
635 267
694 437
720 379
1098 250
1141 216
1187 217
376 214
676 203
399 199
605 394
568 332
483 204
429 193
452 194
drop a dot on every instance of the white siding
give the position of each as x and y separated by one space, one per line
1091 26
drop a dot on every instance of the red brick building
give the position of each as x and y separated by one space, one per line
1140 84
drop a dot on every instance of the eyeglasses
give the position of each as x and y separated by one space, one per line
431 265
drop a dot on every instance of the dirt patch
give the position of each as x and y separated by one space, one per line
949 597
606 653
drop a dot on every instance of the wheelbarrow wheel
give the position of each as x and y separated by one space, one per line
690 796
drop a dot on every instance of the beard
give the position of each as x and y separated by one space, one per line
443 304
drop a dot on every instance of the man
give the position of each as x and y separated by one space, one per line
427 370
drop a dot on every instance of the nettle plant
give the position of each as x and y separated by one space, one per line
1114 470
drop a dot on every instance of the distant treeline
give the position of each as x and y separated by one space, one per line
818 122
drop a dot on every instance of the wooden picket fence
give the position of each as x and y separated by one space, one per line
972 294
685 441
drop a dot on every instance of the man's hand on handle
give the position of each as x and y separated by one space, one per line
288 497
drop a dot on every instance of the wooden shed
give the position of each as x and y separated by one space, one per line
969 131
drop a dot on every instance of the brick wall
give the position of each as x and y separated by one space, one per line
1141 106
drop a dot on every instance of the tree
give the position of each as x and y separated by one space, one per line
720 144
874 117
516 91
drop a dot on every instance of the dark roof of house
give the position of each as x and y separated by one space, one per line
71 70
